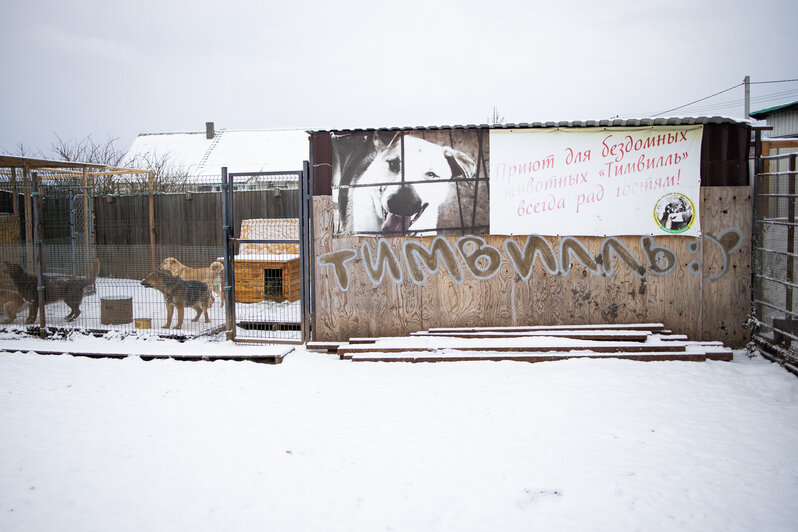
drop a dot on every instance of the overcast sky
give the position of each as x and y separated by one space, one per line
74 68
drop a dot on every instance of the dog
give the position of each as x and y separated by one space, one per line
181 294
11 303
211 276
396 207
676 215
68 289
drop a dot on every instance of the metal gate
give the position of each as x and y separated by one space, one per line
774 253
81 229
267 270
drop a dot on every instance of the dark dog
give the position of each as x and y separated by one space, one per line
70 290
179 293
212 275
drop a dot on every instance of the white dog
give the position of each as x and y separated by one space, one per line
393 206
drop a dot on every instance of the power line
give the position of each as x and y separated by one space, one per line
772 81
699 100
740 101
731 104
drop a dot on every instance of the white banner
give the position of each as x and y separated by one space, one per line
595 181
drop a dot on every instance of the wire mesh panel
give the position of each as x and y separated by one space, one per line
775 257
81 227
266 277
131 259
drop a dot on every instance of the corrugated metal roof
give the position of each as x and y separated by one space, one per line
617 122
765 112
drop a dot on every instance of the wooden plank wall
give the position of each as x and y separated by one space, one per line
187 226
9 229
705 294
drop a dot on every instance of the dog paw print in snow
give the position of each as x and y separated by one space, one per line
537 495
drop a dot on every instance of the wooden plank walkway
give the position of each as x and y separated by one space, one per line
268 358
644 342
600 335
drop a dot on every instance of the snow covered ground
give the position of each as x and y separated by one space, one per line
316 443
149 303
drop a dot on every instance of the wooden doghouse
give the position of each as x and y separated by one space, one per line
268 271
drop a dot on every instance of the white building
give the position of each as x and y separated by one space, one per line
201 155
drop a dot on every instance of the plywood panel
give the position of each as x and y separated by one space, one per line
625 295
681 289
672 279
726 276
363 309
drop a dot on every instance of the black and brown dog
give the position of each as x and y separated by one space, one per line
68 289
181 294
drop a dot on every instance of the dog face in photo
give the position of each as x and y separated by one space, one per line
676 215
396 206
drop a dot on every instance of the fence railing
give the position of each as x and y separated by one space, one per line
131 237
775 290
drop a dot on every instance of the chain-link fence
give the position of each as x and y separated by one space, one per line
129 259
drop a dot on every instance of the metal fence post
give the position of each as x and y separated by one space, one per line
229 283
37 252
756 225
306 251
303 279
311 245
788 289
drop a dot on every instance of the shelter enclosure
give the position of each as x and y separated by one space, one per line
534 224
103 231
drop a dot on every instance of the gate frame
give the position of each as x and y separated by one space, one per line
305 243
786 356
88 230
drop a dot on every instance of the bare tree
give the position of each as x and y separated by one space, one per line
24 151
88 151
167 177
496 117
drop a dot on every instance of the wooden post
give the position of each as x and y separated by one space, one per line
14 206
91 244
762 149
86 258
747 82
152 219
28 217
38 248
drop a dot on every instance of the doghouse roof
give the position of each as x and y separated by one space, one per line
618 122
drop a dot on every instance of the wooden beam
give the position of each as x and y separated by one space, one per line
505 346
649 327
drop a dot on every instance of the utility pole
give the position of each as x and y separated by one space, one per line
747 81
